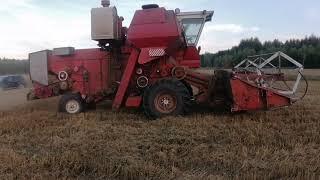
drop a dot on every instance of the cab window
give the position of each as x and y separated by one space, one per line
192 28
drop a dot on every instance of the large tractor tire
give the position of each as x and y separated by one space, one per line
71 104
167 97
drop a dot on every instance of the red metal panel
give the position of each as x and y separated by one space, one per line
249 97
245 96
134 102
92 61
154 28
149 16
126 77
42 91
191 58
188 57
276 100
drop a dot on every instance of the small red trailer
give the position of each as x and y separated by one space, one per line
151 65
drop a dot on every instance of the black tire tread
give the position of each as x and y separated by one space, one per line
173 84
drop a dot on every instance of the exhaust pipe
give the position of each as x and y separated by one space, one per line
105 3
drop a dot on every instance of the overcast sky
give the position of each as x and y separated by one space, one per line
32 25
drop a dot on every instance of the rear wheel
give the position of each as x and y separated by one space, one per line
166 97
71 103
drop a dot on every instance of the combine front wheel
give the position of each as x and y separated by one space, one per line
71 103
166 97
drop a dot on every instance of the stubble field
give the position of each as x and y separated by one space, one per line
36 142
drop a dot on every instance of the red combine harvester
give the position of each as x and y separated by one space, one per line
152 65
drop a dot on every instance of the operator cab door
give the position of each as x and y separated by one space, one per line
193 23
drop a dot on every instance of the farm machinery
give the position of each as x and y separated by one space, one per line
152 65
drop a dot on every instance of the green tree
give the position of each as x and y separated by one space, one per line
305 50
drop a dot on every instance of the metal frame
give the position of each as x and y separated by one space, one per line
205 15
126 77
258 63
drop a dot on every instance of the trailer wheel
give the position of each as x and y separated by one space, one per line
166 97
71 103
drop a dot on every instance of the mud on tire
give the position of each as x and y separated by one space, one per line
165 98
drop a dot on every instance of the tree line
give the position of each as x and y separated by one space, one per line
13 66
306 51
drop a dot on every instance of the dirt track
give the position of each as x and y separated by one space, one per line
16 99
12 98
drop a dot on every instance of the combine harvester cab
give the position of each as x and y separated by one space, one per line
152 64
